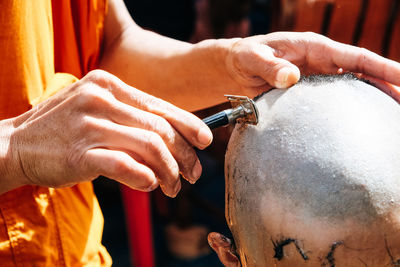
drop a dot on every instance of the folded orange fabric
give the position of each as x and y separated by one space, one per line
44 46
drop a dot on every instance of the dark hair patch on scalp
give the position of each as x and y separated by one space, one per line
394 263
330 256
279 245
318 79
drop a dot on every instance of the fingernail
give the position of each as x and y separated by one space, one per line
153 186
177 188
166 191
183 176
286 77
204 137
196 172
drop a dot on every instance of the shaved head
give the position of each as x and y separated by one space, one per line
317 181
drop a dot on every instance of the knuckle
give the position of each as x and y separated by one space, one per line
98 75
163 127
153 143
252 51
312 36
363 50
87 126
92 96
160 123
120 168
87 93
147 182
103 79
87 131
362 60
363 53
152 102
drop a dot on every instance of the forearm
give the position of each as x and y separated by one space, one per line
186 75
189 76
196 76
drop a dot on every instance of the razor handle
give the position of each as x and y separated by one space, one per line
224 117
244 110
217 120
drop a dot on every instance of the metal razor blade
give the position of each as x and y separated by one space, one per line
243 110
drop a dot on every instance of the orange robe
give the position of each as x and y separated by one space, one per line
44 46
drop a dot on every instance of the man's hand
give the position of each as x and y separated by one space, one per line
196 76
101 126
277 59
388 88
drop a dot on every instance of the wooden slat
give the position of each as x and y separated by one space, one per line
344 20
309 15
394 50
375 24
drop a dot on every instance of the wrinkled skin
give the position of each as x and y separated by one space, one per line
71 138
315 183
277 59
102 126
195 76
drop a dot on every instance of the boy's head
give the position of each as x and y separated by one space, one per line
317 181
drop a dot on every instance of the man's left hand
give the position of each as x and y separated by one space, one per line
277 59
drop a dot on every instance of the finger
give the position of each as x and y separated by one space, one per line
180 149
194 130
256 59
361 60
121 167
145 146
389 89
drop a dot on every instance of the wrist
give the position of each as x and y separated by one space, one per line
216 51
212 73
9 178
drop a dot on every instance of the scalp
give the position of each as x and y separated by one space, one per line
328 147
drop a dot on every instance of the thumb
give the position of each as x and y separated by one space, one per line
278 72
258 60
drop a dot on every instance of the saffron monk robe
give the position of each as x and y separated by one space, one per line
62 124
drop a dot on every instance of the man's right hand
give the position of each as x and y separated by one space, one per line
101 126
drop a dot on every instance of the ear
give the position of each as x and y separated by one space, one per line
223 247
